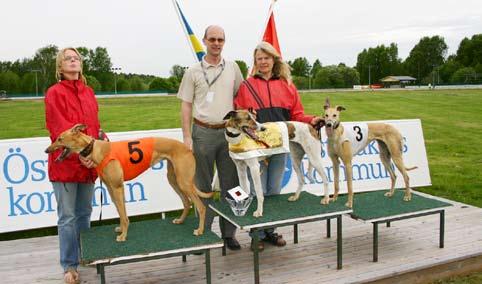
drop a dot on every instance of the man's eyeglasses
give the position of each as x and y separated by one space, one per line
70 57
213 40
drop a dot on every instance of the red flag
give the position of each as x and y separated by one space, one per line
270 34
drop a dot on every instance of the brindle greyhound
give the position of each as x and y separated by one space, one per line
180 169
303 139
390 145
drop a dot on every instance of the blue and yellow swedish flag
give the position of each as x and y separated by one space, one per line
196 45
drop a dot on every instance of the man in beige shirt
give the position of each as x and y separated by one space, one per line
207 90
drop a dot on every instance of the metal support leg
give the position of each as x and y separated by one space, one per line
328 228
102 274
207 256
224 247
388 224
339 243
375 242
295 233
184 258
97 266
221 226
442 228
256 255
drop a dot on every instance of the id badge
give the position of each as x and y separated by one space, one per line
210 97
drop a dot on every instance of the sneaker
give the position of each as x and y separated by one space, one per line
232 243
275 239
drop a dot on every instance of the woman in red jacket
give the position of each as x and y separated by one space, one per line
273 95
68 102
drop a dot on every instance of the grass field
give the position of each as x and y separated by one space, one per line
451 121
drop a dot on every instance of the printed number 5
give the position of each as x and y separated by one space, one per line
132 150
359 136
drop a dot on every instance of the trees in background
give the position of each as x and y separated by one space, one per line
300 67
375 63
469 52
426 57
427 61
178 71
333 76
243 67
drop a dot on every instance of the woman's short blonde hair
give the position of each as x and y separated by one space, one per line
280 68
60 59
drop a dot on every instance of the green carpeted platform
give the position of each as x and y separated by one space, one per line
98 243
278 208
375 205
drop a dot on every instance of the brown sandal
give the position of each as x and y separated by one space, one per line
275 239
71 276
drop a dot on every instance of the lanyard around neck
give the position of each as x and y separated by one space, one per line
216 77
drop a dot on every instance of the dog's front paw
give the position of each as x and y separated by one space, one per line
349 204
177 221
389 194
118 229
294 197
325 201
258 213
197 232
407 198
121 238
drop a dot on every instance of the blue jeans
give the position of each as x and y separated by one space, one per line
74 207
271 179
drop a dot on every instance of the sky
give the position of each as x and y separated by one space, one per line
146 37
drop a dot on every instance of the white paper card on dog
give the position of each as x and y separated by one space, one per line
238 193
210 97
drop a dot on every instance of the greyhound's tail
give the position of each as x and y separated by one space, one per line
412 168
204 194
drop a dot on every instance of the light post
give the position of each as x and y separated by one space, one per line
418 79
369 77
115 77
36 80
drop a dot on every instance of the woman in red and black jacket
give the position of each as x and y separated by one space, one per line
273 95
68 102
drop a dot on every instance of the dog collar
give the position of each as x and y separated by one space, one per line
231 134
88 149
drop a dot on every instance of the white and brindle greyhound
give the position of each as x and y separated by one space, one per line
345 143
303 139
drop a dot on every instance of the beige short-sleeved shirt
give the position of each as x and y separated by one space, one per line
210 103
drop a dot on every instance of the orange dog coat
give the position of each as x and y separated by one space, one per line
134 156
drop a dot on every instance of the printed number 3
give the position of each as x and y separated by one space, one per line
359 136
133 149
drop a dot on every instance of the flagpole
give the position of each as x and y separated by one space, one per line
176 7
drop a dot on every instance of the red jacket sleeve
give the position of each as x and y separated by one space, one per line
56 122
297 111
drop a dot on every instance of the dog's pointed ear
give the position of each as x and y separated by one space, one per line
340 108
78 128
327 104
229 115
